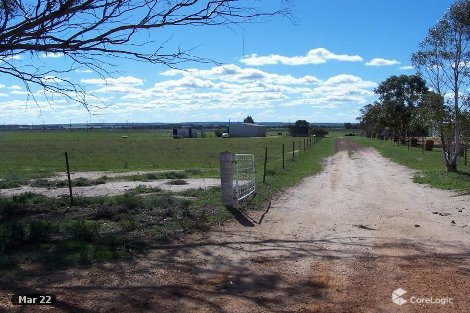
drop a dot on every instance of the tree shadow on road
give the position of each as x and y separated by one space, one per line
221 275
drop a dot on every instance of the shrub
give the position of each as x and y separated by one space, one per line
11 235
41 183
39 231
82 230
128 225
175 175
130 201
81 182
177 182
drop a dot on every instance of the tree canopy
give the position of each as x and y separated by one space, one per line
301 123
444 59
249 120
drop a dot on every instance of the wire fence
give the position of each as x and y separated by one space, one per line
245 176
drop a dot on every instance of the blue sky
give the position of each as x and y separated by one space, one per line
322 68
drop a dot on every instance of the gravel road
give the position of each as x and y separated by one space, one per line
340 241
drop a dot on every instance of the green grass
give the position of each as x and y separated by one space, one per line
36 154
430 164
105 228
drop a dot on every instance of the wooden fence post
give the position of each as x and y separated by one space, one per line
283 163
293 149
68 178
265 161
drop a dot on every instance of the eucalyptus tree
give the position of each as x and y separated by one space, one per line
443 59
399 97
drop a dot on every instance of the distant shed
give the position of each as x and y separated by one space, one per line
246 130
184 132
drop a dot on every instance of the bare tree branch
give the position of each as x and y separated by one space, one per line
90 32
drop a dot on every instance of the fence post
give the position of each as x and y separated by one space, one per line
465 153
293 147
226 178
265 161
304 144
283 163
68 177
422 147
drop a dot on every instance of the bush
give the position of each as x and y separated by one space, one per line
44 183
177 182
39 231
11 235
128 225
12 182
81 182
130 201
175 175
82 230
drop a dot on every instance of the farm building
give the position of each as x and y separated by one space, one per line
184 132
246 130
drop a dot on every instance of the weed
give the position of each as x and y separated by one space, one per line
129 201
175 175
145 189
81 182
40 231
177 182
41 182
151 176
128 225
12 182
82 230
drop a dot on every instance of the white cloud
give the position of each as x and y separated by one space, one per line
10 57
123 84
52 55
382 62
314 56
407 68
123 80
179 95
84 71
234 73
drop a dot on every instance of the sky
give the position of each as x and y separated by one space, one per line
322 66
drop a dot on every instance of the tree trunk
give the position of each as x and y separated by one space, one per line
451 166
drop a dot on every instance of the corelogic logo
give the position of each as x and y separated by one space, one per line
397 298
397 295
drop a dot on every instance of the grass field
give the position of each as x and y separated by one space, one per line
32 154
430 164
46 231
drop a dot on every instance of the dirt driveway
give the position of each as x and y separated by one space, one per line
341 241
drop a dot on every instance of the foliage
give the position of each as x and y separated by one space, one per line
444 59
319 132
301 123
395 114
249 120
